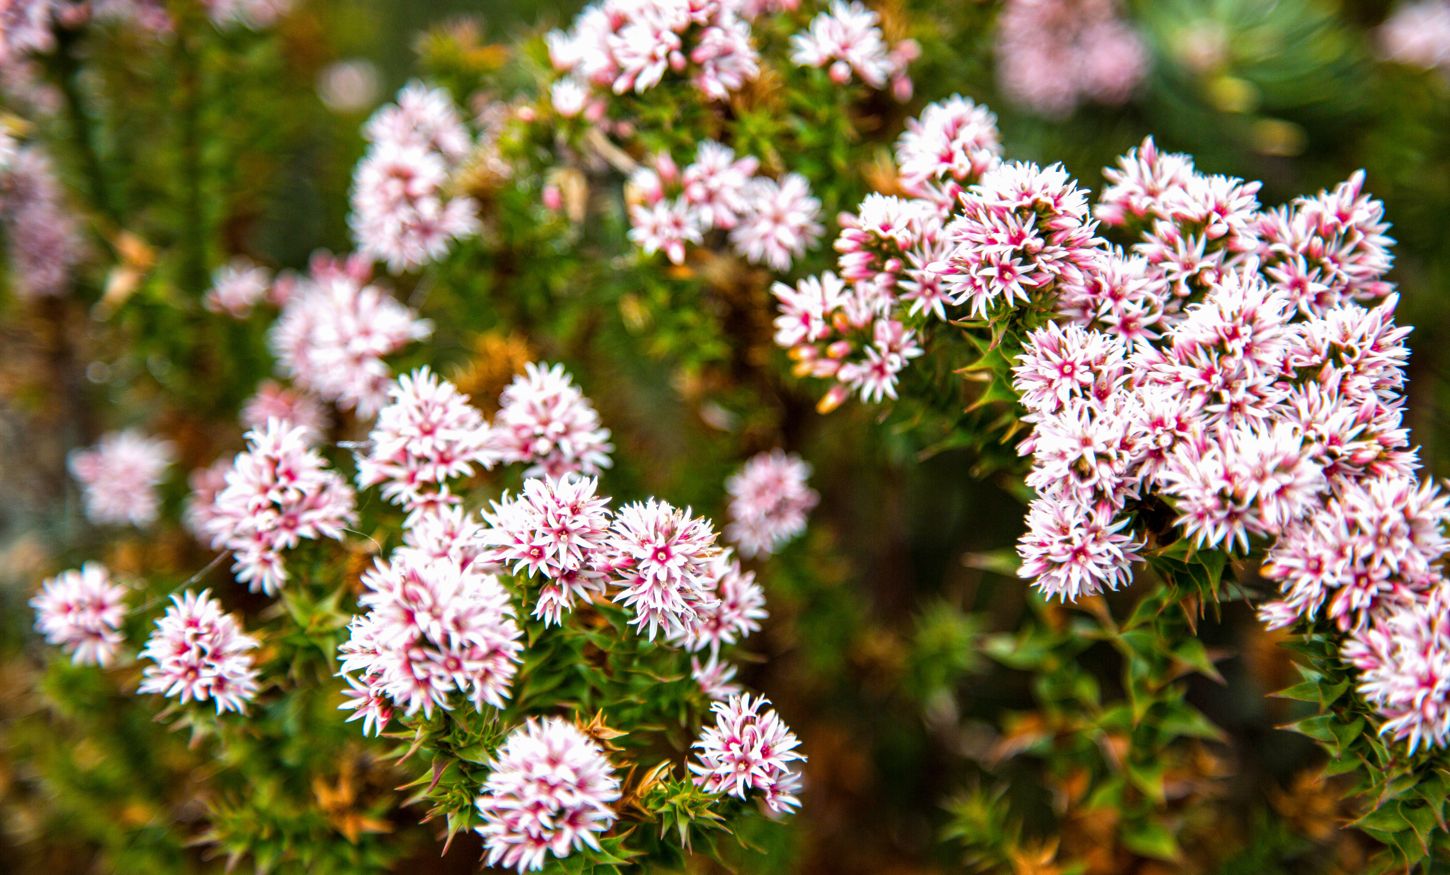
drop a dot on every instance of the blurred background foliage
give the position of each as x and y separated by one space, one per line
936 696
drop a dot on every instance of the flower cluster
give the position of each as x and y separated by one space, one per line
630 45
278 492
334 331
426 435
1054 54
43 243
545 422
80 611
401 212
771 222
199 652
435 625
555 530
549 791
846 39
256 14
237 287
748 749
769 501
1404 660
120 476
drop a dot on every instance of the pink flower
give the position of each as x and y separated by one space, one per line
278 493
666 226
548 792
847 39
779 222
275 401
1404 664
749 750
255 14
661 559
433 627
119 477
1072 550
43 240
399 212
545 422
554 529
952 143
715 677
769 500
1051 54
200 653
427 435
423 117
734 611
237 287
715 184
1417 35
333 334
81 612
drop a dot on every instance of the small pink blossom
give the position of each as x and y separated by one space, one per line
749 749
120 477
81 611
198 652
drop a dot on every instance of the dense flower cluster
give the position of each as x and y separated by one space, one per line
237 287
554 530
120 476
43 242
846 39
769 221
427 435
1235 368
334 331
734 609
769 501
278 492
199 652
748 749
1404 659
621 46
434 625
549 792
1054 54
401 211
545 422
81 611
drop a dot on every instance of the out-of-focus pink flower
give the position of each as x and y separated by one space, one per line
847 40
1052 54
769 500
120 477
81 611
779 223
276 401
43 242
237 287
1417 35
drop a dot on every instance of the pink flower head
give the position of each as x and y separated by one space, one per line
237 287
81 612
1052 54
423 117
715 677
769 501
748 749
548 792
1071 550
666 226
780 221
278 493
661 559
553 529
275 401
427 435
952 143
333 334
1404 663
42 236
433 627
715 184
846 39
400 214
200 653
545 422
120 476
734 611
